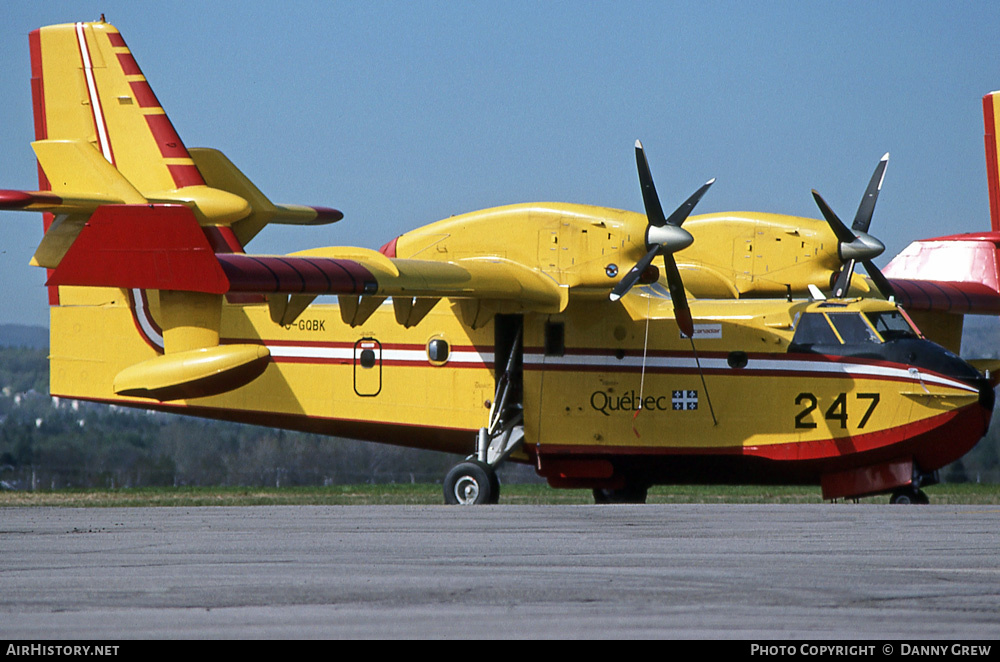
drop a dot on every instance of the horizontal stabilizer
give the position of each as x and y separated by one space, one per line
76 170
81 181
219 172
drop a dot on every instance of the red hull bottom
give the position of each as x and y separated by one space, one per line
845 468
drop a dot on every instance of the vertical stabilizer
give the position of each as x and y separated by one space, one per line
87 86
991 111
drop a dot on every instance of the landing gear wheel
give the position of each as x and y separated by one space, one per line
909 495
471 483
630 494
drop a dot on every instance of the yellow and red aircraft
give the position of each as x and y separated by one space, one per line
537 333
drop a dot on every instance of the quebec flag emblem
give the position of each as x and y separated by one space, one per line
685 400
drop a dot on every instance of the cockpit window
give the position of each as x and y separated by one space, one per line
813 329
891 325
851 327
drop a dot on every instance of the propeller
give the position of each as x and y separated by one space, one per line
856 245
664 237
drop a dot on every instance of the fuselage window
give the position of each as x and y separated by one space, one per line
853 329
367 358
813 329
437 350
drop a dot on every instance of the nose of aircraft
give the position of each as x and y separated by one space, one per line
925 355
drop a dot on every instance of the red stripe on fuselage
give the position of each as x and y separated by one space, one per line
933 442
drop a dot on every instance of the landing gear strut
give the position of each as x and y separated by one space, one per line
475 480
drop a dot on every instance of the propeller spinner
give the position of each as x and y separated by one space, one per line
856 245
664 237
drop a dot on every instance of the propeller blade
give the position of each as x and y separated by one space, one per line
664 236
654 212
632 277
682 212
681 310
853 245
863 219
839 229
881 282
844 279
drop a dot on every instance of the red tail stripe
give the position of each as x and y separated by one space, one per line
992 173
166 137
129 65
144 94
223 239
41 130
185 175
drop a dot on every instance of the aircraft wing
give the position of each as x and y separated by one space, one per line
162 247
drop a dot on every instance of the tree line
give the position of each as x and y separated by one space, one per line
51 443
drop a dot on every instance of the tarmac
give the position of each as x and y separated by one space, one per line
746 572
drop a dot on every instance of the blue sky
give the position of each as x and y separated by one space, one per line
402 113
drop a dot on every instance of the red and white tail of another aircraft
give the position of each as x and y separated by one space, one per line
956 274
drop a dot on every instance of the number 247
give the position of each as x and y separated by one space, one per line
836 412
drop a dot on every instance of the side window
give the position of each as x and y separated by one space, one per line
853 328
813 329
437 351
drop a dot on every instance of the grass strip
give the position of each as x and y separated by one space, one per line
430 494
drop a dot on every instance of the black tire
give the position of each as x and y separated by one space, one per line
471 483
628 494
494 487
909 495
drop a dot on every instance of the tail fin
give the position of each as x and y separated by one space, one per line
102 137
991 112
88 87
